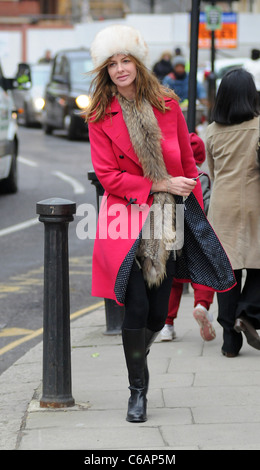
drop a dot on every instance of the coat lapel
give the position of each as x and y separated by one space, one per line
114 126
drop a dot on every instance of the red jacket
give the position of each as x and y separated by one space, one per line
118 169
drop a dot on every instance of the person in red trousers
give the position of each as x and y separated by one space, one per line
203 298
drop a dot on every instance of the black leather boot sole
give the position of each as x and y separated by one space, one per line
243 325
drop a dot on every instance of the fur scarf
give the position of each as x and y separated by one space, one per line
158 234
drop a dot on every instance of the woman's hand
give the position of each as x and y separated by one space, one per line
178 185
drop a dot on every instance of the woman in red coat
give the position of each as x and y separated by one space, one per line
142 157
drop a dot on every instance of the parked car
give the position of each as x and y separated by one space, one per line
254 69
67 93
222 66
30 101
8 137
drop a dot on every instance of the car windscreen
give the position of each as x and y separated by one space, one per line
79 68
40 76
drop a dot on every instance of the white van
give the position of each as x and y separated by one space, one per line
8 137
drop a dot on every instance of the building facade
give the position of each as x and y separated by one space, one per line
78 11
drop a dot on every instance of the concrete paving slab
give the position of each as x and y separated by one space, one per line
197 400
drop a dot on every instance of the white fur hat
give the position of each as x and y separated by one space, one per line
118 39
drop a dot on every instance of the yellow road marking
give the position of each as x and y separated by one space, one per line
14 332
5 288
16 343
34 278
38 332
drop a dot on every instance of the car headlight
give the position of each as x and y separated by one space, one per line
39 103
83 101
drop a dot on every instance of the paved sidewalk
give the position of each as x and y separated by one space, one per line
198 399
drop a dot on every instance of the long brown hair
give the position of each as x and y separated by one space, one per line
147 86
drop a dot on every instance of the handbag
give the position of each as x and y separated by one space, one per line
202 260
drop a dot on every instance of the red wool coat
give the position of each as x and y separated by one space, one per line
118 169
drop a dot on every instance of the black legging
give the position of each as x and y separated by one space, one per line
146 307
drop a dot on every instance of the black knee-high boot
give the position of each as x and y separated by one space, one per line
150 337
134 349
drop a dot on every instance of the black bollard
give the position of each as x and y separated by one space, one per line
56 214
114 317
114 312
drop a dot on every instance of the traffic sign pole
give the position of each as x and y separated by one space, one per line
192 96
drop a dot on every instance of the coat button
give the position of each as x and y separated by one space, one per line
121 156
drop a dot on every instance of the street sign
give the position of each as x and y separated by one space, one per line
225 38
213 17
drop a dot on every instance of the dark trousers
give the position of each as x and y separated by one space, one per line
144 307
244 299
